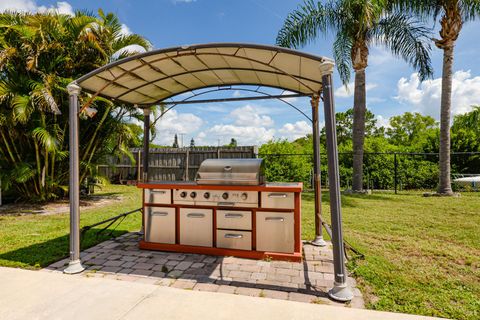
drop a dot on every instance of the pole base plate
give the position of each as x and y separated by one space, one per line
340 292
74 267
319 242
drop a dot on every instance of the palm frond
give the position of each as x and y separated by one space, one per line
304 24
407 39
342 46
45 138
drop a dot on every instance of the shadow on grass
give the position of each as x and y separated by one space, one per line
40 255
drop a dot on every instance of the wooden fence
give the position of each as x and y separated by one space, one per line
169 164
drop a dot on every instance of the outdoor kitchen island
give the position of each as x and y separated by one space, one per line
220 215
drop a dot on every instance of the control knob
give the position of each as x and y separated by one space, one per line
193 194
225 195
244 196
183 194
206 195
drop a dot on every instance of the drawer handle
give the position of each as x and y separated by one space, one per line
226 204
159 213
277 195
158 191
196 215
275 219
233 236
234 215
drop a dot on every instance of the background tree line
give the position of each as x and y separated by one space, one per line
406 133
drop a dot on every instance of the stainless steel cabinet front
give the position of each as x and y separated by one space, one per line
275 231
232 239
278 200
158 196
160 225
196 227
234 219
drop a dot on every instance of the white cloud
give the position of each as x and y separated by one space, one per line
125 30
289 100
173 122
245 135
425 96
295 130
251 116
382 121
61 7
347 92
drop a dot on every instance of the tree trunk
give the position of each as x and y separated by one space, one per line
444 186
359 110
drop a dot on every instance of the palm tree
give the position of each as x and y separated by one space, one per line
357 25
453 14
39 55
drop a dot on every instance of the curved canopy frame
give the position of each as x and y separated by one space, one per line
152 77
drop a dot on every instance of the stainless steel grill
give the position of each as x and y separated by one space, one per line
246 172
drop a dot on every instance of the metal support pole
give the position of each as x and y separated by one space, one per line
340 291
395 167
146 142
318 241
75 265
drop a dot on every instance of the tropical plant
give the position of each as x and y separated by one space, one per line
453 14
39 55
357 25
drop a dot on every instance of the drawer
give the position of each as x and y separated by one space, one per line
159 224
230 239
278 200
196 227
275 231
161 196
232 219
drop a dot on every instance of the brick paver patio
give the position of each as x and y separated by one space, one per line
308 281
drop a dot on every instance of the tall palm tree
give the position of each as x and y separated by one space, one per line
357 25
453 14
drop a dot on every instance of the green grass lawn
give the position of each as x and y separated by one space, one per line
422 255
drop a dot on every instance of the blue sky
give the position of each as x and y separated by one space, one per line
392 85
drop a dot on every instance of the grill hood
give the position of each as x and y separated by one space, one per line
231 172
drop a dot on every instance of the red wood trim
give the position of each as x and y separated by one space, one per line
182 185
216 207
297 222
143 214
214 212
177 225
254 229
295 257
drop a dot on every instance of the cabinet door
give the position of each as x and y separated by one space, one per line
278 200
158 196
160 224
275 231
234 239
196 227
234 219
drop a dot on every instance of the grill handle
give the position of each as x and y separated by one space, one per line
196 215
158 191
158 213
233 236
275 219
277 195
226 204
234 215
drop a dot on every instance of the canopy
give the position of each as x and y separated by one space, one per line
154 76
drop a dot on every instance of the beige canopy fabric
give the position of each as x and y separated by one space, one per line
154 76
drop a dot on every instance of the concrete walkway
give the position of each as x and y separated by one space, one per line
50 295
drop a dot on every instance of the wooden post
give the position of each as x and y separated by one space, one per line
139 165
187 160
